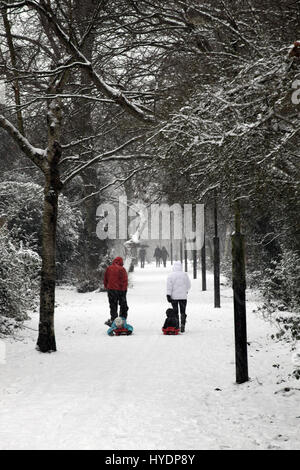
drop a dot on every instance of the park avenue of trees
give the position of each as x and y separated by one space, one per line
184 101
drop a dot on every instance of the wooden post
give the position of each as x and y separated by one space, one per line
216 240
239 300
195 244
181 251
171 235
203 265
195 264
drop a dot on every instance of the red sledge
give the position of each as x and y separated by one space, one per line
171 330
122 332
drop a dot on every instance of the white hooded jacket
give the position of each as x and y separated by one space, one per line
178 283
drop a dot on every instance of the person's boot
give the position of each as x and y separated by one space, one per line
108 322
183 320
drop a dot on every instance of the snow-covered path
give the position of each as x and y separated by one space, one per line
147 391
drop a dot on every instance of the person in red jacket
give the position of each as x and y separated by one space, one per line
116 283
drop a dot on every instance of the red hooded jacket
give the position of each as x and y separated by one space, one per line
115 276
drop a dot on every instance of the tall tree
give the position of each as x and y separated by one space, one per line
98 60
50 88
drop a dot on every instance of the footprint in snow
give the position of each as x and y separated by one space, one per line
287 391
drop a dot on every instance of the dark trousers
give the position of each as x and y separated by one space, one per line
165 262
116 298
157 262
142 263
180 304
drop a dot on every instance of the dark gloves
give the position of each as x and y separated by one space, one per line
169 298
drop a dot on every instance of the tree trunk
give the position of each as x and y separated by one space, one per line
227 242
46 339
90 247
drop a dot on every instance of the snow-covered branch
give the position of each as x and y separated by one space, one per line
38 156
105 157
117 182
116 95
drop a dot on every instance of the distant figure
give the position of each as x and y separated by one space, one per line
116 283
178 285
142 255
134 254
164 255
157 256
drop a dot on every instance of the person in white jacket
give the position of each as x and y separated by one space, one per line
178 285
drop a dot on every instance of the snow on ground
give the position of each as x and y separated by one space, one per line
148 391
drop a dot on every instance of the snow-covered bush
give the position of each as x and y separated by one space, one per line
281 287
105 261
21 205
19 280
88 282
296 363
